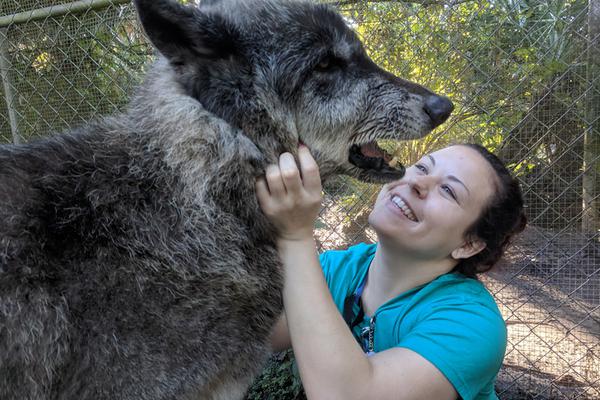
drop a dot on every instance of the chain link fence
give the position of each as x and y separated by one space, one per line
525 76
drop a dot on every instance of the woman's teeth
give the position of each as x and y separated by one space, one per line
404 207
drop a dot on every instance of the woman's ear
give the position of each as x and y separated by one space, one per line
468 249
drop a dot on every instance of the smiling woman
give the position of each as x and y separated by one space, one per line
405 318
445 192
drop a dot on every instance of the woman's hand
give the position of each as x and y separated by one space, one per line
291 198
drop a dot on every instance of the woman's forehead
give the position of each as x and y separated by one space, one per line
465 163
462 158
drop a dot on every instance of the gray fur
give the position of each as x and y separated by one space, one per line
135 262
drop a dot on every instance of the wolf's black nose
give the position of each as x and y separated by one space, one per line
438 108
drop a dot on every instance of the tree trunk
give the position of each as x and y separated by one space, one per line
591 152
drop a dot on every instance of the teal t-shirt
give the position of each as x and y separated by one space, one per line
452 321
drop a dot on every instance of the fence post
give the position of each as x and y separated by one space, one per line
591 146
8 89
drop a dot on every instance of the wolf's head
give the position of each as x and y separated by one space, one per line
286 72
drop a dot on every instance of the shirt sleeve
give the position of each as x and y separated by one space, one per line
465 340
333 263
330 271
323 260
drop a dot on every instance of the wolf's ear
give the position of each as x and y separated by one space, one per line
184 33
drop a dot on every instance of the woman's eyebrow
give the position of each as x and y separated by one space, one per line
451 177
455 179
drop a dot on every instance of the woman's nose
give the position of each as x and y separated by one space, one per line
421 184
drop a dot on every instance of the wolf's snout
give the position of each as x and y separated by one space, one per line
438 108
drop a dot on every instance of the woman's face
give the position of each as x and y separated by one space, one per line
427 212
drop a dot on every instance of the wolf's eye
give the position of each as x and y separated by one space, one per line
325 63
328 64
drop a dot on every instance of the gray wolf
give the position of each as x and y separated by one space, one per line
135 262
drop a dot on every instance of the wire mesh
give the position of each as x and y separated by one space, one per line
525 77
67 70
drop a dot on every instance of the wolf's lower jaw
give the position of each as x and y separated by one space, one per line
374 160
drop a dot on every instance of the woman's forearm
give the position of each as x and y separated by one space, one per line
331 363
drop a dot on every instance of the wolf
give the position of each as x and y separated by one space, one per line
135 262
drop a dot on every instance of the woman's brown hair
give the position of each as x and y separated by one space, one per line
500 220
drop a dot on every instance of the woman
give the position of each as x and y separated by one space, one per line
421 326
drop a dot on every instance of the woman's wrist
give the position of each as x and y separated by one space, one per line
296 242
299 256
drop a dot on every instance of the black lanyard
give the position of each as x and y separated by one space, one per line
367 336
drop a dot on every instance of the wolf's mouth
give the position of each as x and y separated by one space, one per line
374 161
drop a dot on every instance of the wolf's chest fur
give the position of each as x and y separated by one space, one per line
127 258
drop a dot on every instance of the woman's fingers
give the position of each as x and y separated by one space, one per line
291 202
262 193
290 174
285 180
310 171
274 181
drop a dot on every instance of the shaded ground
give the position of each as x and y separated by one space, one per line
548 290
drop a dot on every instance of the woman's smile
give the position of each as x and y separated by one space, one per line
400 207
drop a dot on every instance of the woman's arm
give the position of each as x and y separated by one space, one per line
332 364
280 335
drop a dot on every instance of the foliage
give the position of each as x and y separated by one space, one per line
279 380
515 70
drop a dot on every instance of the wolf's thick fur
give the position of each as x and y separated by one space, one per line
134 260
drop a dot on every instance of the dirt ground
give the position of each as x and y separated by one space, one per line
547 288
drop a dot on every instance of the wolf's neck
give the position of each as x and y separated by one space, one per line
164 109
272 130
160 106
216 161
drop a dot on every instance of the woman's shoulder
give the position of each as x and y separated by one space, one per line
356 251
456 314
455 284
345 268
357 255
458 291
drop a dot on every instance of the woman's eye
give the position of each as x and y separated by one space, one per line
449 190
421 167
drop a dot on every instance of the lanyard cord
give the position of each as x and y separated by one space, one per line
367 335
358 301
